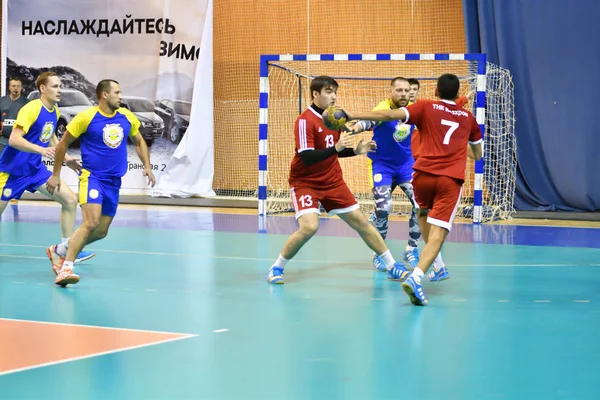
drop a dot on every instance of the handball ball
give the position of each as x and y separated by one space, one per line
334 118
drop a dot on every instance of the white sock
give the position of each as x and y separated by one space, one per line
388 259
417 274
410 248
67 265
61 249
438 263
281 262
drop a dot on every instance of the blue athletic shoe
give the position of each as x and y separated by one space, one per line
440 275
414 290
84 255
398 273
275 276
411 257
378 264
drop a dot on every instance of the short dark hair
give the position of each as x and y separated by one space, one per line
398 78
42 79
321 82
104 86
448 86
413 81
15 78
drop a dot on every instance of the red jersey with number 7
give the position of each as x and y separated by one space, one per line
311 134
444 130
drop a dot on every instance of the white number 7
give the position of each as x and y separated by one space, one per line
453 126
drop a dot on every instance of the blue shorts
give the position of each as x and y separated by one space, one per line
13 186
103 191
386 174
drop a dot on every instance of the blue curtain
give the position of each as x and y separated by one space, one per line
551 48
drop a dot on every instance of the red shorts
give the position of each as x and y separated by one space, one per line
439 194
336 200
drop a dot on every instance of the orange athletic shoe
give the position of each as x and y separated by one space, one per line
65 277
55 259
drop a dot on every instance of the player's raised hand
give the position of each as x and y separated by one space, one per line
365 147
344 142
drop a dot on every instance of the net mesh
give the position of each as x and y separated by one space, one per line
363 84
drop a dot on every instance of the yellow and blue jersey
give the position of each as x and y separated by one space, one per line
39 124
103 140
393 139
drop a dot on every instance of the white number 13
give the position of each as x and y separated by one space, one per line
452 127
329 141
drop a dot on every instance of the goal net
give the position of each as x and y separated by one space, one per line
488 192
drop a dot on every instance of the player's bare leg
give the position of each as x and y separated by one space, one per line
424 225
68 212
373 239
101 230
91 219
435 239
440 272
68 202
308 224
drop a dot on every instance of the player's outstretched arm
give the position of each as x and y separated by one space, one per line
379 115
355 127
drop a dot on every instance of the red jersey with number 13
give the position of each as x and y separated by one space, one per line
311 134
444 129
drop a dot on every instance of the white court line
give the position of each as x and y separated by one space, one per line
220 330
268 259
12 371
96 327
541 301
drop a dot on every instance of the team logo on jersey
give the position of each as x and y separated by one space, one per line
7 192
47 132
377 178
402 131
112 135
